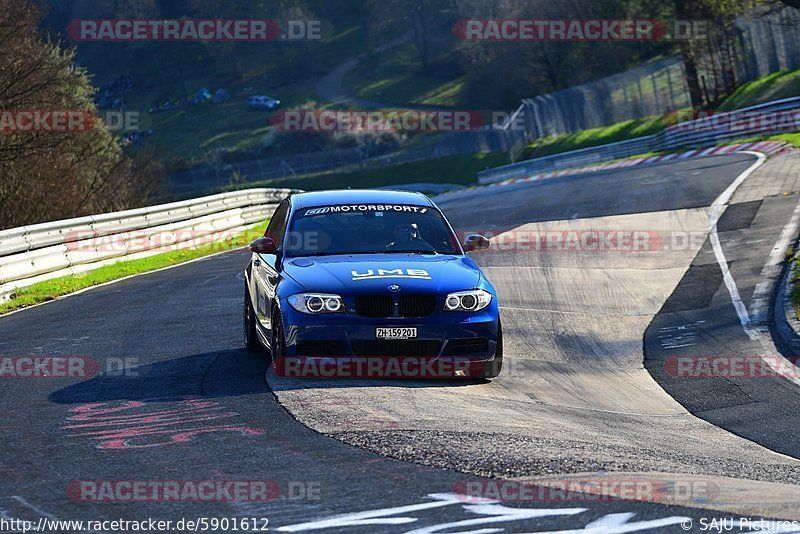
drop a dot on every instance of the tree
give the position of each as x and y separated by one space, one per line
718 52
47 174
685 10
423 17
499 74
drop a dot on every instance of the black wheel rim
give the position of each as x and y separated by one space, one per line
276 336
248 318
276 348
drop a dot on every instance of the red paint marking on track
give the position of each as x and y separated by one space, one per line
131 424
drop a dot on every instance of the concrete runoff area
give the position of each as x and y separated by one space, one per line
574 395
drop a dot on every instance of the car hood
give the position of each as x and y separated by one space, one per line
361 274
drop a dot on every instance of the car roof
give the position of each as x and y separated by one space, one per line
358 196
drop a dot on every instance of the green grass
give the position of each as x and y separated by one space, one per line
396 76
595 137
189 133
775 86
462 170
167 71
791 138
50 289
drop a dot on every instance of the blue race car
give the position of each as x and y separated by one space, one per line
370 284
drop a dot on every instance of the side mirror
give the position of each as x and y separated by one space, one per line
476 242
264 245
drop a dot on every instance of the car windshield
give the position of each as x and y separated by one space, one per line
369 229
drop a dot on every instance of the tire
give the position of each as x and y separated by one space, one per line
251 341
277 344
492 369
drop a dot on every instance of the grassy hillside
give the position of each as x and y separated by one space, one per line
397 76
775 86
461 170
191 132
595 137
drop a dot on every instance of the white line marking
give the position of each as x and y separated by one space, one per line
717 208
755 333
39 511
759 304
679 336
618 524
680 327
382 516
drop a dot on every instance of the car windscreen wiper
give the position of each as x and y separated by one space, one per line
409 251
307 254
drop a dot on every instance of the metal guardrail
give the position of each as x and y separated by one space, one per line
689 134
38 252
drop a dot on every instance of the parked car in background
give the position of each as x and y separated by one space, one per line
263 102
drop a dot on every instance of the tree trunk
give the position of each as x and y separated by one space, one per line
689 59
420 29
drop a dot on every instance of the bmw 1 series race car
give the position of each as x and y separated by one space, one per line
370 284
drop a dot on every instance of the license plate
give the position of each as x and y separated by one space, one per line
395 333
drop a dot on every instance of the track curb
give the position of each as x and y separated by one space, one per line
786 325
769 148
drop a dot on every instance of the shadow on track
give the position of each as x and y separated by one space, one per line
214 374
227 373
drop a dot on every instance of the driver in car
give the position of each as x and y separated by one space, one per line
407 238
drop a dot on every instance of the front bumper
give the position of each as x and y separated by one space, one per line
448 344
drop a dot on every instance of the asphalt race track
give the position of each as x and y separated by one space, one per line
575 396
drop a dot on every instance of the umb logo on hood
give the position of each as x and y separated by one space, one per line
372 274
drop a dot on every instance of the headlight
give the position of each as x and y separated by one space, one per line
473 300
316 303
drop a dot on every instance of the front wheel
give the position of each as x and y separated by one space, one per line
251 342
277 344
492 369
